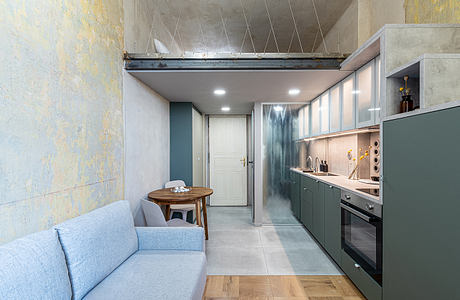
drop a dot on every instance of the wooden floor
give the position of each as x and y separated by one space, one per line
280 288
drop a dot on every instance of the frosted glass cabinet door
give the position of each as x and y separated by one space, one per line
377 109
348 103
334 109
300 122
315 129
325 113
306 118
365 95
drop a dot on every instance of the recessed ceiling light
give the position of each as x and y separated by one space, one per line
219 92
225 108
294 92
278 108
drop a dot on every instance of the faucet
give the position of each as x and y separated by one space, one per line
311 162
316 164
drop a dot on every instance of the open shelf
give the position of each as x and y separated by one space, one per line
433 79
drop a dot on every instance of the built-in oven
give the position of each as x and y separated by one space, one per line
362 233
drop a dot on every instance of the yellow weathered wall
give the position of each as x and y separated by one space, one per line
61 120
432 11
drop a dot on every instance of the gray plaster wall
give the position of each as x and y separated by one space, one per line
145 112
146 117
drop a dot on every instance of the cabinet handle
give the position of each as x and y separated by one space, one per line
330 186
317 181
357 266
304 189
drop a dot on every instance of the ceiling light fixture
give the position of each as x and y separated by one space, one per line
294 92
225 108
219 92
278 108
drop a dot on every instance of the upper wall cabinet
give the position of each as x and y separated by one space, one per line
324 109
300 120
306 124
335 107
315 117
348 102
378 76
365 95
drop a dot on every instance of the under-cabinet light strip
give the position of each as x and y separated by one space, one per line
368 130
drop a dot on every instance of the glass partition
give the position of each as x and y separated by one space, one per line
280 154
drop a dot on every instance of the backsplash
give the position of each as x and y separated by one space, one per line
334 150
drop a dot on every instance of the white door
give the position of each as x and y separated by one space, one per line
228 160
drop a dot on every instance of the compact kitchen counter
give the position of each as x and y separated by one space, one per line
342 182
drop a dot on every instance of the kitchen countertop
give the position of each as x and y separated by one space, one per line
342 182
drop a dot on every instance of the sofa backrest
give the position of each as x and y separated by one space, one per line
96 243
34 266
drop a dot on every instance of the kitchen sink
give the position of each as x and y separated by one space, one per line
323 174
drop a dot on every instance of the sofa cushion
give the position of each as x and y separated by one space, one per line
153 274
34 266
96 243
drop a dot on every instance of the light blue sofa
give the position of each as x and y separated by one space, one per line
101 255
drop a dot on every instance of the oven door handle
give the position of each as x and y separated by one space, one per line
355 212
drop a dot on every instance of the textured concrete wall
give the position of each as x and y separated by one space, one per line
61 122
432 11
363 18
143 23
343 36
146 142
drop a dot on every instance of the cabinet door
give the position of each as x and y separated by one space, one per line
306 120
348 103
318 211
315 117
300 123
295 194
378 77
332 219
334 109
324 109
365 95
420 217
306 203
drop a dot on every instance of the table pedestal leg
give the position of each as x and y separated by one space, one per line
198 213
168 212
205 216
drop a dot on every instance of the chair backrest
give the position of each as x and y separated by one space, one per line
153 214
174 183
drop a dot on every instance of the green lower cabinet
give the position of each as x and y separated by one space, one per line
421 211
318 211
366 284
295 194
332 225
306 203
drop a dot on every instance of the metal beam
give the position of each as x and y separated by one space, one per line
310 61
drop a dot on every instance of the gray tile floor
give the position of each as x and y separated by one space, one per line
236 247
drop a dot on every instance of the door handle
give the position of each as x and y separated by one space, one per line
243 161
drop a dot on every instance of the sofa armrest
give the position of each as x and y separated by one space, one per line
171 238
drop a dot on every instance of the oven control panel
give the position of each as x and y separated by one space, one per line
368 206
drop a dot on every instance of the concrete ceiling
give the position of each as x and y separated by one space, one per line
243 87
219 25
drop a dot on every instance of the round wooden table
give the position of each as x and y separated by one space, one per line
167 197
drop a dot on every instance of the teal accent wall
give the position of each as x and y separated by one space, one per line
181 160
